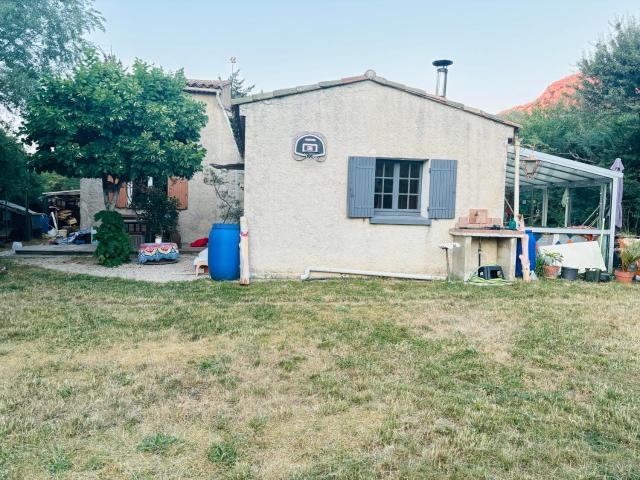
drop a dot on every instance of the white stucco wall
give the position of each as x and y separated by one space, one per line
194 222
217 137
297 211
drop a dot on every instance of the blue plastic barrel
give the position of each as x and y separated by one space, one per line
532 253
224 251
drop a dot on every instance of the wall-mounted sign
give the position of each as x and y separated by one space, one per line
309 145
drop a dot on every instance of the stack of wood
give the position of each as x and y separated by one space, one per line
67 220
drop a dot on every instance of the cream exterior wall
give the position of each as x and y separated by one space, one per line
217 138
297 210
194 222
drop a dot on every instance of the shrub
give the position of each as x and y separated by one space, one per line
158 211
629 254
113 246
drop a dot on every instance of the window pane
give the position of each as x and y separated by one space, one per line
405 177
388 169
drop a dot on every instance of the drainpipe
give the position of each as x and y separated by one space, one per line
368 273
516 176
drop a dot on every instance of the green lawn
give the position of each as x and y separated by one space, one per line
342 379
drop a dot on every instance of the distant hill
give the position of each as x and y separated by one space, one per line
558 92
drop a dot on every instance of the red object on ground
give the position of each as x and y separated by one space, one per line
201 242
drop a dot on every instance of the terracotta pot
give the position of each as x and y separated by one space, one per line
551 271
624 277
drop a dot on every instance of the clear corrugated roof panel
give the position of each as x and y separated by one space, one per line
539 169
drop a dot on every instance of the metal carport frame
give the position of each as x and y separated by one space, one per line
554 171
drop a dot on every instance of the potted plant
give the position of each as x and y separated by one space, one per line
551 264
629 255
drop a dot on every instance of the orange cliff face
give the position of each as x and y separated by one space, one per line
558 92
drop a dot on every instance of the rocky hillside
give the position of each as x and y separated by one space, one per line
559 91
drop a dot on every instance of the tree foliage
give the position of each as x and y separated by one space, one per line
18 183
105 121
238 88
13 165
40 37
604 122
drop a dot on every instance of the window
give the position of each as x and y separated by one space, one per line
176 187
388 191
397 187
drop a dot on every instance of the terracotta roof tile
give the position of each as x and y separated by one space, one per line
213 84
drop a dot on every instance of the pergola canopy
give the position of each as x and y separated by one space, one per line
552 171
539 170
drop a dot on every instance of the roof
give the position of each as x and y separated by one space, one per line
16 208
205 86
369 76
61 192
556 171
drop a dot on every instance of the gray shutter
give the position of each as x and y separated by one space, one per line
442 188
361 180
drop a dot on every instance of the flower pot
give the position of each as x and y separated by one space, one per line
592 275
551 271
624 277
569 273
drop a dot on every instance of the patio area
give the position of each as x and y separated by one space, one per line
529 170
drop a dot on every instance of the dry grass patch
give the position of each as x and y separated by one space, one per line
105 378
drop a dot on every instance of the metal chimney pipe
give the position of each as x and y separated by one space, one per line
441 78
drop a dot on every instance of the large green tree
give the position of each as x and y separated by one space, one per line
40 37
18 183
116 124
604 121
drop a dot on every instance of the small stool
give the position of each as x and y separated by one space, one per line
201 263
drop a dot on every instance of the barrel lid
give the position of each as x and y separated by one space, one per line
226 226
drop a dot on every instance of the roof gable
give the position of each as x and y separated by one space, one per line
369 76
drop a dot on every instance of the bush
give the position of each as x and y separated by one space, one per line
113 246
158 211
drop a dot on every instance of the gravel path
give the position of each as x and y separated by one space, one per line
181 271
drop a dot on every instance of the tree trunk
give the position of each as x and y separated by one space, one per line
110 192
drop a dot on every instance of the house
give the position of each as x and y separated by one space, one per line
197 202
364 173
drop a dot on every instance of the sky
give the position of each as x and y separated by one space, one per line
505 53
